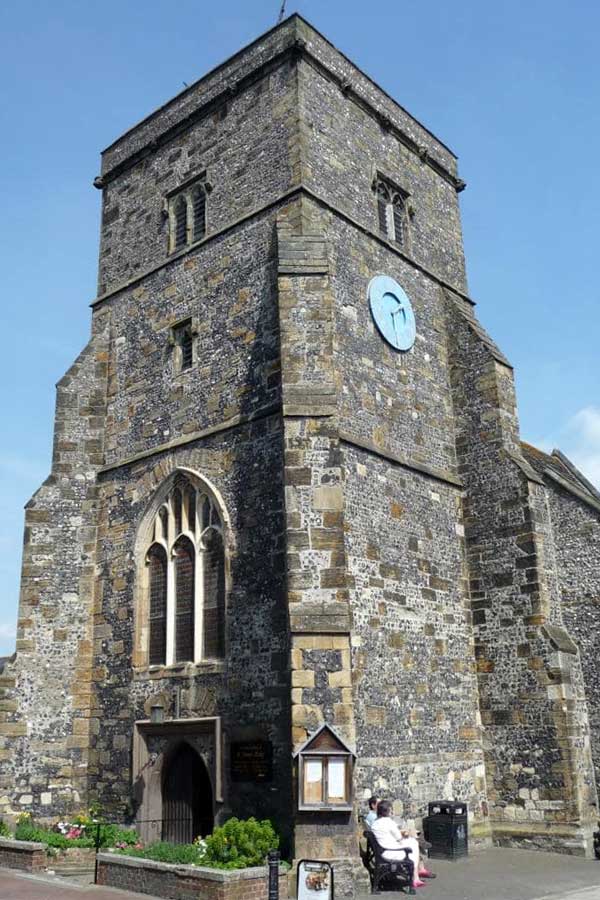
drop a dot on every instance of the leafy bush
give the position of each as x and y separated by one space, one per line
110 836
184 854
239 844
4 829
26 831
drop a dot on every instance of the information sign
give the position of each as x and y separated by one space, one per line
314 880
252 761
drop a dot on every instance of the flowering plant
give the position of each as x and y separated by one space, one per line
69 829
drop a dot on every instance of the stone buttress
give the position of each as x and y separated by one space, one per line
541 784
47 690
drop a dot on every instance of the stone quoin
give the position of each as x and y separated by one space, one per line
263 517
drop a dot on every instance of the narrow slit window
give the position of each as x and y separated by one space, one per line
183 341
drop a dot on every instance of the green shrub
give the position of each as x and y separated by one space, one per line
184 854
235 845
110 836
4 829
239 844
29 832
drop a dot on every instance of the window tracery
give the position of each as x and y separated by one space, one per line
185 581
392 212
187 215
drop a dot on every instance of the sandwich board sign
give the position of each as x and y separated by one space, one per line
314 880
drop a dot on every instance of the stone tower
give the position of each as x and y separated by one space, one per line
263 516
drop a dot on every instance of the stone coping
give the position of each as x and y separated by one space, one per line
13 844
223 875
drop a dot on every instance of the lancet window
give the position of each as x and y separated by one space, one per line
187 215
392 212
185 582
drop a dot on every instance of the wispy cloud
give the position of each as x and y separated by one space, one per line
7 631
579 439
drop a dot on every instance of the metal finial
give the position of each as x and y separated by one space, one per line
281 12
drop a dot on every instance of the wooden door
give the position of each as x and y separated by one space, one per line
187 798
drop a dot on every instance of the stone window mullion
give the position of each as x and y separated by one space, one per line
170 583
199 605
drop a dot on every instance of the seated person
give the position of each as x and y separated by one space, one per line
392 840
372 814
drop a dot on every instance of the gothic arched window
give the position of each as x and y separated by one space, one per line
392 212
186 577
186 212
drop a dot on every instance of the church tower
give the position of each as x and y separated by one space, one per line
289 508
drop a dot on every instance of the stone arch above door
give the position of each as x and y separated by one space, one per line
154 745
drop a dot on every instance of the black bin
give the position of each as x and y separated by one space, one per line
446 829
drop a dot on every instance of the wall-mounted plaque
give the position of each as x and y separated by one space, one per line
314 880
252 761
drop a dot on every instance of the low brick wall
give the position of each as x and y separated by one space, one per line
24 855
185 882
72 859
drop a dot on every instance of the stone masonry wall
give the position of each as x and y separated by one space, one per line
343 172
536 734
577 538
415 687
249 690
226 286
245 147
403 539
46 690
317 598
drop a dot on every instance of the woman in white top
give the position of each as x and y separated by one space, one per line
392 840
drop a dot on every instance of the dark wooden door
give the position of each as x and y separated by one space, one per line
187 798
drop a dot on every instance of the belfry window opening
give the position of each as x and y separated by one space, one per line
187 216
185 565
392 212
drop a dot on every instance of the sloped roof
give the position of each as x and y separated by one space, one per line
560 469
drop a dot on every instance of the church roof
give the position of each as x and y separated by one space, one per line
562 471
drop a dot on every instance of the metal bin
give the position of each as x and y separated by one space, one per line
446 829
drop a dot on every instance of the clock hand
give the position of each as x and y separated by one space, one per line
394 314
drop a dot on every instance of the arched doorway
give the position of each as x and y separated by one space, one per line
187 800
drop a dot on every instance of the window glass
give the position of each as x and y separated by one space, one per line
214 595
184 600
313 781
157 561
336 780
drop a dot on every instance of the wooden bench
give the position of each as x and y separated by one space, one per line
401 870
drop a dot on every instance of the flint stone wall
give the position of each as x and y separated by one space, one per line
577 530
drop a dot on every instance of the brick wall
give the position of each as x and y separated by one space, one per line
24 855
183 882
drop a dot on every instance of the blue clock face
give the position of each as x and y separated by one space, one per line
392 312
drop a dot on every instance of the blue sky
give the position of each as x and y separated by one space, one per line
512 88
